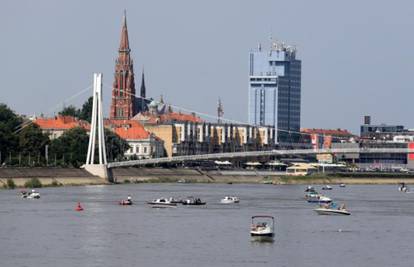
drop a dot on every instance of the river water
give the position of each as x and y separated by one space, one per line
48 232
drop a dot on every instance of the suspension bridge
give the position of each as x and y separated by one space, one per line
102 168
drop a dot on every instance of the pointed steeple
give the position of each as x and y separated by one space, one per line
143 89
124 45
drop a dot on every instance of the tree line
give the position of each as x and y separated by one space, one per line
22 143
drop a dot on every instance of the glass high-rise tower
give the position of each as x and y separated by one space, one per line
275 90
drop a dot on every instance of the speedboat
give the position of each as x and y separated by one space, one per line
262 228
317 198
403 188
342 185
327 187
32 195
161 203
193 201
229 200
332 209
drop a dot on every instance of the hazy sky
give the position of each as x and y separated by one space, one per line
357 56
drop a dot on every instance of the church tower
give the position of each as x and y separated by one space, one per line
123 104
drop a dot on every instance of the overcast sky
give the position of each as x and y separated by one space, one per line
357 56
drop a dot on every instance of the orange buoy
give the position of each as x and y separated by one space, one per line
79 207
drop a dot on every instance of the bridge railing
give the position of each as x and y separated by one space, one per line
260 153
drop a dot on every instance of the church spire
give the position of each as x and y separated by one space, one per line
124 45
143 89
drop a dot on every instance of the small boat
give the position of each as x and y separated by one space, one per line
193 201
327 187
181 181
161 203
79 207
332 209
230 200
262 228
317 198
126 202
403 188
31 195
342 185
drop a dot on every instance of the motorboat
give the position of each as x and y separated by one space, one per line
126 202
262 228
161 203
317 198
193 201
403 187
31 195
342 185
230 200
327 187
310 188
332 209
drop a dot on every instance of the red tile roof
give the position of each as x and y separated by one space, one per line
128 129
61 123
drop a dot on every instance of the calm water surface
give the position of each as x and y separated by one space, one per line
48 232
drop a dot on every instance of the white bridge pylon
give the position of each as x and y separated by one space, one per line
97 126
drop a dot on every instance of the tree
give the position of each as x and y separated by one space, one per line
9 123
32 140
86 111
70 111
115 145
72 145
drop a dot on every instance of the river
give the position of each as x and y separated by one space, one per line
48 232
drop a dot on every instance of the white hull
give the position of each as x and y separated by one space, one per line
323 211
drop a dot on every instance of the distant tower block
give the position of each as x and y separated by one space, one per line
367 120
97 126
220 111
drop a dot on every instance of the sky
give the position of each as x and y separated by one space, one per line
357 56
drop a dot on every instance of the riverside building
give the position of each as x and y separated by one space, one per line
275 90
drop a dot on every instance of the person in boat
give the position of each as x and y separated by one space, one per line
342 207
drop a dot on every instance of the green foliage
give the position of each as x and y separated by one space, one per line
32 140
33 183
115 145
73 145
127 181
70 111
11 184
55 183
86 112
9 123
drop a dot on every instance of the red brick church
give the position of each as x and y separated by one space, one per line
125 104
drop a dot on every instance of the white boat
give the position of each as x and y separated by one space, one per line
317 198
332 209
403 188
262 228
229 200
161 203
342 185
32 195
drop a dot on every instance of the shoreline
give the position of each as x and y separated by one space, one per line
79 177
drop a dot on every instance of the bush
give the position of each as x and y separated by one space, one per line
127 181
55 183
33 183
11 184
